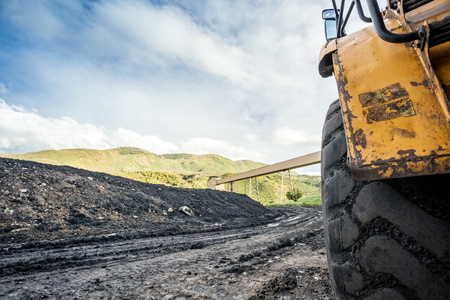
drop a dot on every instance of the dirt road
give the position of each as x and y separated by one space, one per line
281 260
67 233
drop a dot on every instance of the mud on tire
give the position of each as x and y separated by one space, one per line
386 239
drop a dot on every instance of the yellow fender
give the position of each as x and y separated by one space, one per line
395 109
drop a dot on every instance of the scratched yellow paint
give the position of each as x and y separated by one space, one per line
396 114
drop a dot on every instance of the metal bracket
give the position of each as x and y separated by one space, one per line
386 35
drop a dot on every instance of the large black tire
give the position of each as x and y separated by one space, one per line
385 239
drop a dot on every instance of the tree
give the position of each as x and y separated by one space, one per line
295 195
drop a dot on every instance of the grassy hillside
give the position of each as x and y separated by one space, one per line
269 188
268 185
179 170
196 180
129 159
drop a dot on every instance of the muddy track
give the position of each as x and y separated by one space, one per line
281 259
67 233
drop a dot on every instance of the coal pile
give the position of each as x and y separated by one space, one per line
40 202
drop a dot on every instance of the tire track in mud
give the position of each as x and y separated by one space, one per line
197 265
16 260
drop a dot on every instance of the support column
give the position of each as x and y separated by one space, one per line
290 180
257 188
281 189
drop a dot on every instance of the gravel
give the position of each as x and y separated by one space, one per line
67 233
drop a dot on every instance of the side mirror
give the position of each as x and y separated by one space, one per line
329 15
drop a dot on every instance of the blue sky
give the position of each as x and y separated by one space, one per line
234 78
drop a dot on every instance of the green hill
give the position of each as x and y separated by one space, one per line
269 187
179 170
130 159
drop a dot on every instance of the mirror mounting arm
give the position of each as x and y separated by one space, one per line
361 14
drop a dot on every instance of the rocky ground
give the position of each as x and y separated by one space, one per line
70 233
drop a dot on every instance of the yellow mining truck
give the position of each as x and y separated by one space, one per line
386 150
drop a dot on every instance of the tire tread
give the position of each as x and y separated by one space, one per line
362 218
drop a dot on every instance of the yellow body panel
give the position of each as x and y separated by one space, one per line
396 114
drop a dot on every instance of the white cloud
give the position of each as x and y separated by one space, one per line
165 34
151 143
3 89
38 21
287 136
186 76
24 131
206 145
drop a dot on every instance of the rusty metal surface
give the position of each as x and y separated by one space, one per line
386 104
396 114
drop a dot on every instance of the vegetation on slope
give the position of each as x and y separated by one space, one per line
268 185
181 170
269 188
312 200
197 181
130 159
